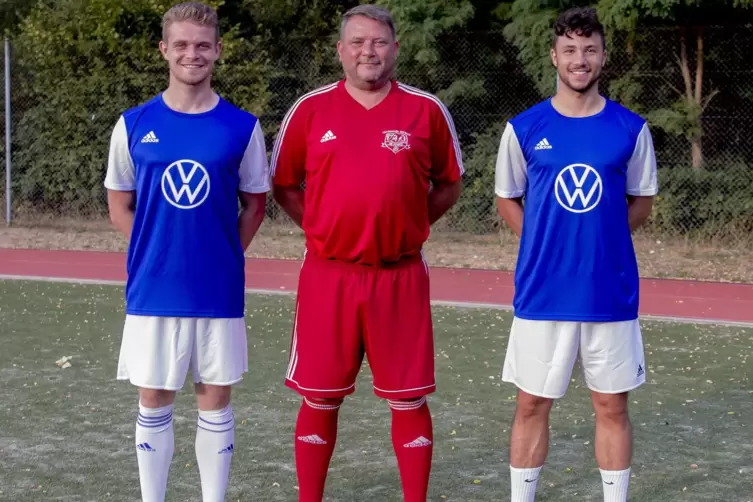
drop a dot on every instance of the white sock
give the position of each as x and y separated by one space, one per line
155 443
615 485
523 483
215 435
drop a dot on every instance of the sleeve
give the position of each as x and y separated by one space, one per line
289 154
121 173
446 155
511 171
254 169
641 169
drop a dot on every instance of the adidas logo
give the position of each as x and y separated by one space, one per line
150 138
419 442
328 136
640 370
145 447
229 449
543 145
313 439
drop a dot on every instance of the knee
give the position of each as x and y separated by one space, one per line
155 398
610 407
530 406
212 397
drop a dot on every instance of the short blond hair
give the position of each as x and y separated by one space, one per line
194 12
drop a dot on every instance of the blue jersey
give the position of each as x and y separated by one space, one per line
576 260
185 257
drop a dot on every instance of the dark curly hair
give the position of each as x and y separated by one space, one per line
581 21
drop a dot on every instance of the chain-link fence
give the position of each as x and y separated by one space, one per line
65 103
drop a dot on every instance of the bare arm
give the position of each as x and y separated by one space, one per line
291 200
641 184
120 181
441 198
639 209
121 206
251 216
511 212
510 180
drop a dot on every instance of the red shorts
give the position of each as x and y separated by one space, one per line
345 311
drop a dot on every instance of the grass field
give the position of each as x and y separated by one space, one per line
67 434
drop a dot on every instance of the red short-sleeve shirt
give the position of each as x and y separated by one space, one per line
367 172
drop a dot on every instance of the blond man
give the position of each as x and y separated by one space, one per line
178 167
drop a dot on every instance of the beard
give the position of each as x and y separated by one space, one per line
580 86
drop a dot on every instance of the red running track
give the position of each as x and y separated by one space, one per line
659 297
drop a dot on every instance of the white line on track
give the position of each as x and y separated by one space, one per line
443 303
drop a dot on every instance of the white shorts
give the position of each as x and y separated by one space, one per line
541 356
156 352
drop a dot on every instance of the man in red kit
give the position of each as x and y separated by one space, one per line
381 163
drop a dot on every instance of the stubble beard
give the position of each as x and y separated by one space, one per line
594 82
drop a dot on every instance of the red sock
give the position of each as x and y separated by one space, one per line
412 438
315 435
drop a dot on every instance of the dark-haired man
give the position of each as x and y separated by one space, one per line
587 169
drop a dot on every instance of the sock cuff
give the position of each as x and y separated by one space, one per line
155 419
216 420
614 473
322 406
227 411
526 470
155 412
407 405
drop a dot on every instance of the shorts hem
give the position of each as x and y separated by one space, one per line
176 389
405 394
316 393
229 383
149 387
536 394
627 389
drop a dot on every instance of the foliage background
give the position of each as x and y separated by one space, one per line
684 64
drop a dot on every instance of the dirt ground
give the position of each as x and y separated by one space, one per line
672 258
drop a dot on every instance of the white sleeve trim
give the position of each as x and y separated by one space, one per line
447 117
286 122
511 172
254 168
121 173
641 169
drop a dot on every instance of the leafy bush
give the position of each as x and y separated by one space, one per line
79 64
717 202
707 203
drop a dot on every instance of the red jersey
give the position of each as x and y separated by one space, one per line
367 172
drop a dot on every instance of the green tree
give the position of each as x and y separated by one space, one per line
82 63
12 12
689 19
530 30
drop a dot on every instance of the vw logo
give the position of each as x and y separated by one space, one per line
185 184
578 188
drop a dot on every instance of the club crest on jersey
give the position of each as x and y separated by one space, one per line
396 141
578 188
185 184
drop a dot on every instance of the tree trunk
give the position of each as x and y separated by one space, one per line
696 153
684 65
693 93
695 144
630 49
